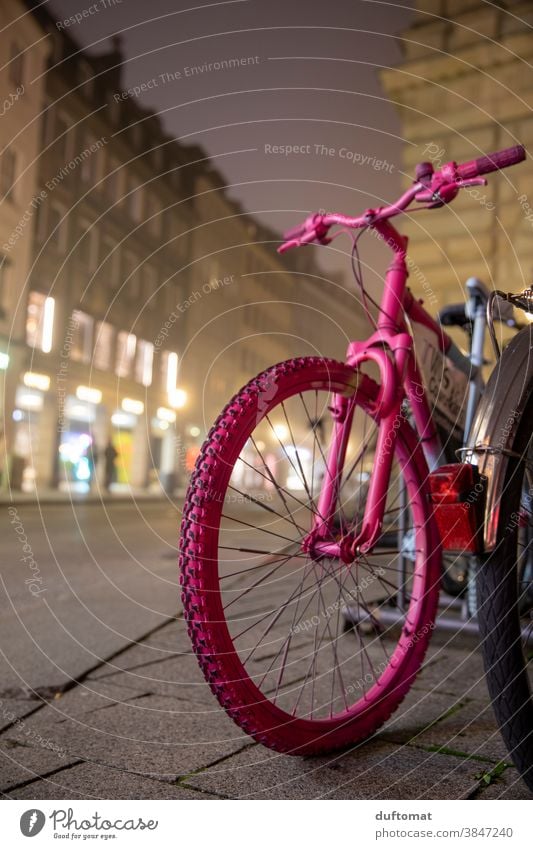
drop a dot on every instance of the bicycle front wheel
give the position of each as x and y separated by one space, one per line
265 618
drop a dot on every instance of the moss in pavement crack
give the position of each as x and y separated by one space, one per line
490 776
447 713
456 753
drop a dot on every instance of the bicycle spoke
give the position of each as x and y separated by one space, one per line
248 497
254 527
304 480
257 583
276 616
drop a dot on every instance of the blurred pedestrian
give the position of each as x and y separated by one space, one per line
92 457
110 455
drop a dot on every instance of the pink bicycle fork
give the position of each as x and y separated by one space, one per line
391 349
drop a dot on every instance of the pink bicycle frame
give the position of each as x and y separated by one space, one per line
391 349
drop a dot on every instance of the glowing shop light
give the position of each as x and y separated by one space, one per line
166 415
131 405
172 371
177 398
33 380
281 431
89 393
48 325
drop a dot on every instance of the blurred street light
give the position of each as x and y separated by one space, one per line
36 381
89 393
166 415
131 405
48 325
177 398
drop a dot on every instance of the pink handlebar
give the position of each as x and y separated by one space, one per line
492 162
437 189
296 232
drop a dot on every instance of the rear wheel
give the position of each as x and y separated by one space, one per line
505 605
265 618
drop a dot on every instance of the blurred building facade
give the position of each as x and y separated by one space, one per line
146 296
21 85
464 90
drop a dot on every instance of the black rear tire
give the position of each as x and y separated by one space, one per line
503 598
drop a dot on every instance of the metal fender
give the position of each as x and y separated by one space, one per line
496 422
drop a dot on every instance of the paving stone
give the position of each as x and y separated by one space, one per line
171 643
92 781
418 710
155 735
454 670
373 771
507 786
471 729
24 758
151 712
176 677
13 709
437 719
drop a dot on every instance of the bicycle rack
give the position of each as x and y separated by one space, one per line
390 616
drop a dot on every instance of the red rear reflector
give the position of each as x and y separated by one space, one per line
458 494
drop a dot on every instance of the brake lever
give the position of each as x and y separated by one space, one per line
473 181
440 195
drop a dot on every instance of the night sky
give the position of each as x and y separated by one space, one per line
310 79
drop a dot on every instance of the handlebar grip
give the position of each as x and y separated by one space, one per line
492 162
296 232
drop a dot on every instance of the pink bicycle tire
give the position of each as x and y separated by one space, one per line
212 642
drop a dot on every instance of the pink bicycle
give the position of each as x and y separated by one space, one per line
311 495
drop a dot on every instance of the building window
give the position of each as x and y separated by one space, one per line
154 217
136 133
57 227
89 165
86 78
158 154
62 143
131 274
143 363
126 345
87 247
113 112
103 345
47 122
8 174
150 287
113 180
110 259
40 321
133 198
58 46
82 337
4 282
16 65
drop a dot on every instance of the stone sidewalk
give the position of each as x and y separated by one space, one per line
143 724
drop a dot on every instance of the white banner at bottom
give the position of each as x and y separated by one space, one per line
125 823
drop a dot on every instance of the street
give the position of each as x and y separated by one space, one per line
101 696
